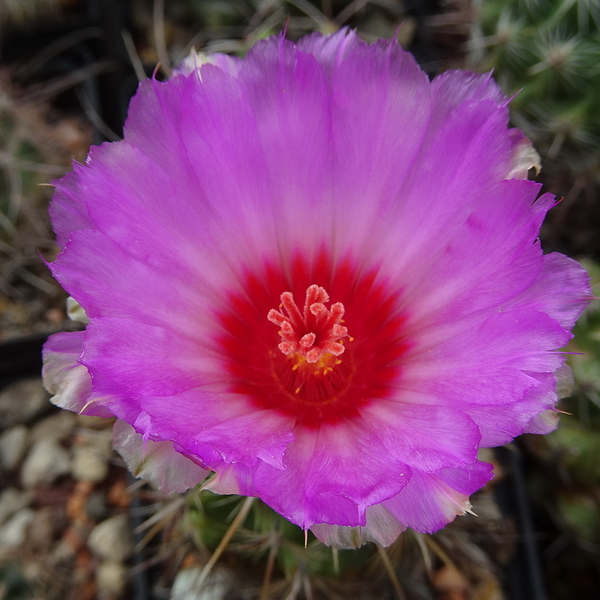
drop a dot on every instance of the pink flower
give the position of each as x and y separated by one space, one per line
317 274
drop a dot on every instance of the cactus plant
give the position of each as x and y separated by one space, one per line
548 54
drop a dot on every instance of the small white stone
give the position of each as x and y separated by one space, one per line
45 462
22 401
112 539
14 531
185 586
63 552
12 500
111 577
89 464
13 445
43 528
56 427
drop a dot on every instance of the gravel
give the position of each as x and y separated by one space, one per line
23 401
46 461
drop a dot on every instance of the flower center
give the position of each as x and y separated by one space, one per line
315 332
309 367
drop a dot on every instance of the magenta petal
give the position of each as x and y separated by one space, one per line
458 87
357 475
415 191
127 187
330 50
544 422
229 164
153 125
214 427
136 288
375 91
65 378
288 95
67 209
561 290
431 500
158 462
119 347
497 357
196 60
280 490
330 476
207 422
269 448
503 235
500 424
429 437
381 527
316 273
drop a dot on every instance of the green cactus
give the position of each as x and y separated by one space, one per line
547 52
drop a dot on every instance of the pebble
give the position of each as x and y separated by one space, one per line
185 586
12 500
56 427
112 539
45 462
63 552
22 401
91 455
13 445
89 464
14 531
95 506
111 578
43 528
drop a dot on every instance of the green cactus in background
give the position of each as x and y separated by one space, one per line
547 52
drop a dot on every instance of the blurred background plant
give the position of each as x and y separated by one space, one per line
67 70
547 54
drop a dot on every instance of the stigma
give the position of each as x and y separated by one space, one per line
313 333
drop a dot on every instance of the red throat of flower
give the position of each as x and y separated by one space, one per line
309 367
